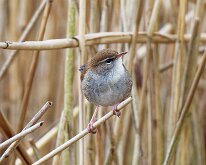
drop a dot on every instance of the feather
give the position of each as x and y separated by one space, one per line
100 56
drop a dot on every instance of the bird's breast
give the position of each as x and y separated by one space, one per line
107 90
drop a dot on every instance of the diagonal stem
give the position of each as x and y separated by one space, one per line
185 111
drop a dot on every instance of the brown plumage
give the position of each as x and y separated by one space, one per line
101 55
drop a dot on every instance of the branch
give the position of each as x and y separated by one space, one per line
21 135
95 38
41 112
81 134
31 123
8 130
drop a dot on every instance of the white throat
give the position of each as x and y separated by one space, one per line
118 69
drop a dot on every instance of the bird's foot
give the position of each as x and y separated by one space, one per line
116 112
91 128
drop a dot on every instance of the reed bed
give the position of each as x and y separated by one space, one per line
42 45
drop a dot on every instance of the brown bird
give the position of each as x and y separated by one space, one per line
105 81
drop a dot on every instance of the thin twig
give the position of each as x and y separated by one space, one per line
13 146
34 148
21 135
166 66
9 132
185 111
39 115
42 142
81 134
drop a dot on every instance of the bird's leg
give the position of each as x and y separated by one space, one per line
90 127
115 111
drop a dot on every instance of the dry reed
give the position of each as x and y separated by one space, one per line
164 122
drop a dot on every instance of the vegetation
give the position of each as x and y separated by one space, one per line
43 114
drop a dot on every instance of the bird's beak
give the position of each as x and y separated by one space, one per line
122 54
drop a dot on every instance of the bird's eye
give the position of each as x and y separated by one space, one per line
109 60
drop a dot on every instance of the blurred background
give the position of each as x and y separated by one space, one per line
165 41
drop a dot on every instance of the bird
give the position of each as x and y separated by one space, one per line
105 82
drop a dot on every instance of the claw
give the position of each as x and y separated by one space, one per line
91 128
115 111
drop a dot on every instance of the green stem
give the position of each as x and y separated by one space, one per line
66 117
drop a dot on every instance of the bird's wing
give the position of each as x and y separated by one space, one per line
83 69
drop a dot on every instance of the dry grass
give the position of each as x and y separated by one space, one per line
164 122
